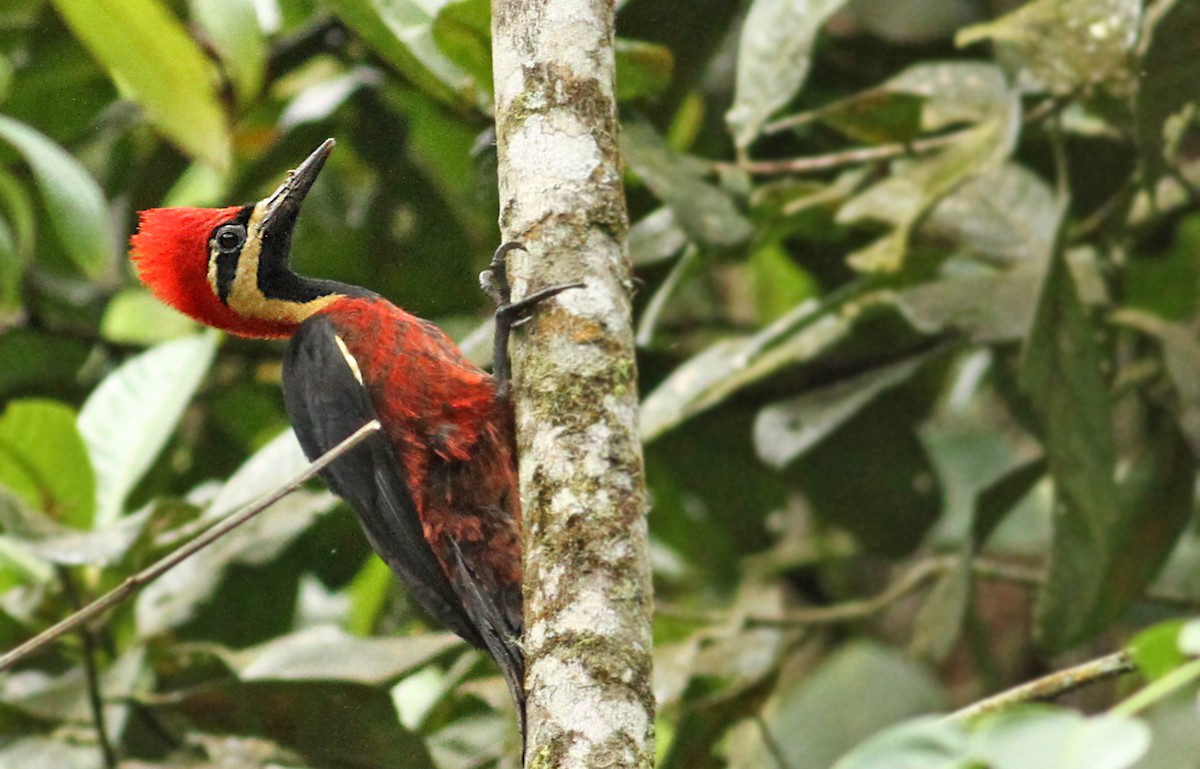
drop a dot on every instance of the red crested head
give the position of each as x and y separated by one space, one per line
228 267
171 251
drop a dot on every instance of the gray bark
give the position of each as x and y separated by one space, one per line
587 578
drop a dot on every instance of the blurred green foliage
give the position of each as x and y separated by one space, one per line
917 317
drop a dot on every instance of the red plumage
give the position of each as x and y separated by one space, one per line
452 437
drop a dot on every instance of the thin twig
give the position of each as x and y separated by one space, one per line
848 611
909 582
92 676
136 582
792 121
849 157
1049 107
1033 576
912 580
1062 171
1050 687
772 744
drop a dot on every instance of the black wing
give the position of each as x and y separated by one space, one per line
327 403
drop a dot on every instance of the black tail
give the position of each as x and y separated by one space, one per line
501 638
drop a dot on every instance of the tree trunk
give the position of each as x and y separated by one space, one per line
587 576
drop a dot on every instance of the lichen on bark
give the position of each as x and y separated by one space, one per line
587 579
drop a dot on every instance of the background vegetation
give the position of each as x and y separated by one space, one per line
917 315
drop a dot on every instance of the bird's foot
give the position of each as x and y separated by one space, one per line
509 314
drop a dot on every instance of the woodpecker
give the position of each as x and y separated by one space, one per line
436 489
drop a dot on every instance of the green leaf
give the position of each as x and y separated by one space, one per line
329 724
705 212
774 55
39 752
1182 358
401 31
1189 638
722 369
479 740
64 697
18 566
687 266
417 696
368 594
889 506
17 241
904 198
1060 371
779 282
785 430
1005 215
149 54
179 594
129 417
43 459
1156 650
724 682
819 718
996 500
134 316
876 117
327 653
955 92
6 73
951 93
715 497
655 237
1166 284
939 623
914 23
231 26
322 99
12 268
952 304
37 361
1061 45
1050 738
463 31
270 467
923 743
54 543
1156 507
643 69
1168 71
75 203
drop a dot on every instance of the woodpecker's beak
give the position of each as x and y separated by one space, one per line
280 209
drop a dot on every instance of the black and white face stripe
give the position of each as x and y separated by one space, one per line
224 251
248 269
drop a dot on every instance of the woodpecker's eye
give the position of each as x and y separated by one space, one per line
230 238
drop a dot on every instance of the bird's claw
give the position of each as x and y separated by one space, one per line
494 279
509 314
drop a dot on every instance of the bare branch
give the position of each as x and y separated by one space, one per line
1051 686
92 674
912 580
850 157
130 586
848 611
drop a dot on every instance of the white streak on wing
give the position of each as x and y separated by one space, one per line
350 360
